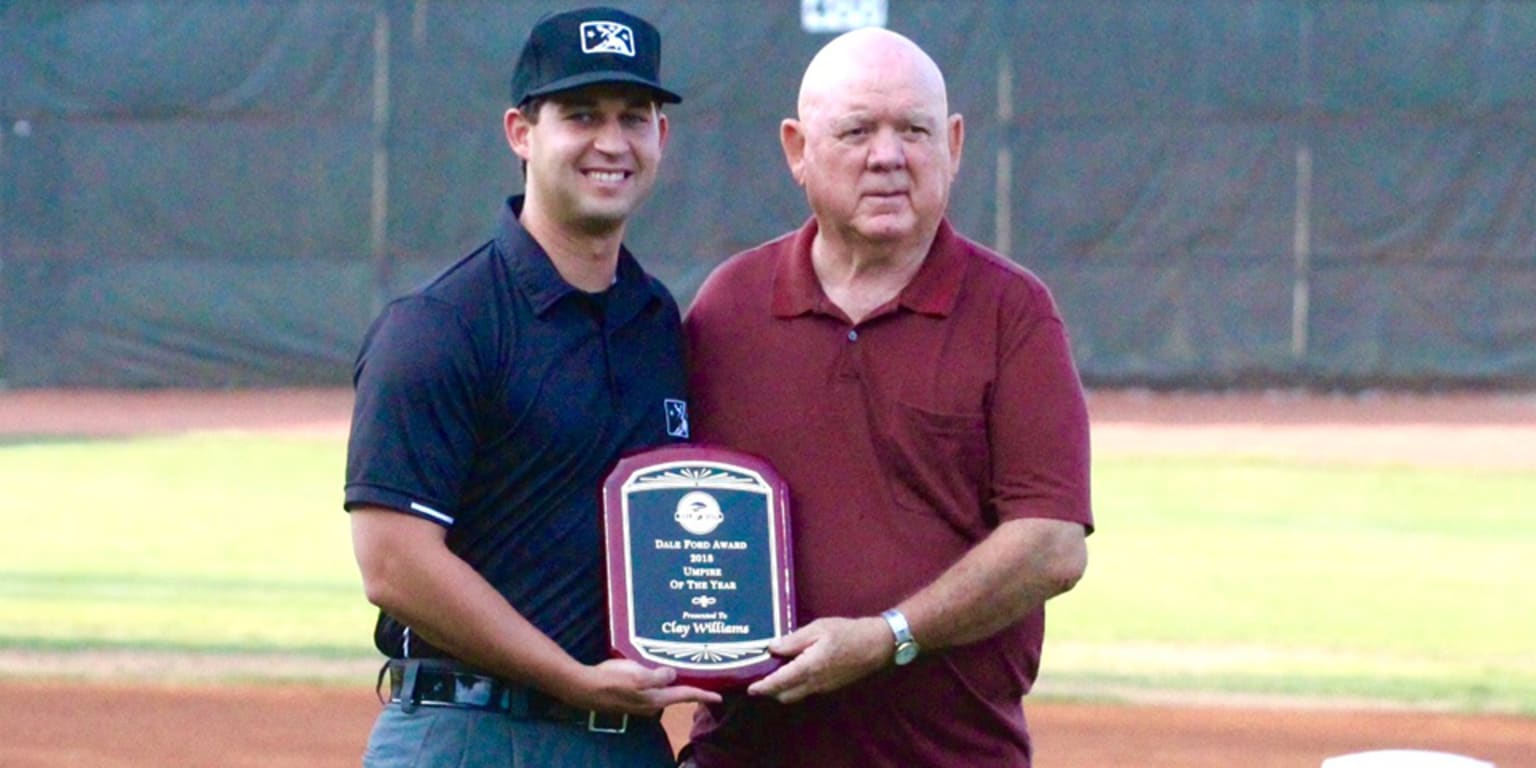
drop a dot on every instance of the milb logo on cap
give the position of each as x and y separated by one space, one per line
607 37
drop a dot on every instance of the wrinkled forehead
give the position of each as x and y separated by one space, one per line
873 96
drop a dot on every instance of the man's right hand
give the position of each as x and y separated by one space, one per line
622 686
826 655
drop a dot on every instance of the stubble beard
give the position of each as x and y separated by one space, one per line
601 220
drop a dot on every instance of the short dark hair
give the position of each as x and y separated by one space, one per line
530 108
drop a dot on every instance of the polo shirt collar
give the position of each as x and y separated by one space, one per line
933 290
533 271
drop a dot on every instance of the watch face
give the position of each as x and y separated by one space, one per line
906 652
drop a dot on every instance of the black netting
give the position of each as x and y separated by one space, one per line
208 193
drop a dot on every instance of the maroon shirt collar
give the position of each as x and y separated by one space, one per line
933 290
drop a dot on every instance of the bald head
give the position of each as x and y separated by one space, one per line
874 145
871 58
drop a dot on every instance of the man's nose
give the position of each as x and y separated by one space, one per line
887 151
610 136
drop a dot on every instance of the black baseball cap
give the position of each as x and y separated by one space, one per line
586 47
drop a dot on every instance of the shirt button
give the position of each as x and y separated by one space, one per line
853 335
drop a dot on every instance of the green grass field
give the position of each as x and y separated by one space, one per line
1224 576
222 542
1407 584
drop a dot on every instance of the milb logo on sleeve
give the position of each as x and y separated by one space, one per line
607 37
677 417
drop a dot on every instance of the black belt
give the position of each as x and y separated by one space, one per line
440 683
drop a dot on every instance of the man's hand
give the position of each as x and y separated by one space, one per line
627 687
827 654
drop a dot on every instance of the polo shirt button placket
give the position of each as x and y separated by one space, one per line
847 358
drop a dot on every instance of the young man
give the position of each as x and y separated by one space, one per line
489 405
917 393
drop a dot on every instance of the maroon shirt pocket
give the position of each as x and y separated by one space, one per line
936 464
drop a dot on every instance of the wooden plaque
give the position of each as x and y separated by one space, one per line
699 571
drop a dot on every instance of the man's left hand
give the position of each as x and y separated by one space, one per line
827 654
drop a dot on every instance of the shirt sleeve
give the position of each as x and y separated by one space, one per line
412 432
1038 423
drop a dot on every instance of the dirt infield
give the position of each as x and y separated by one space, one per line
1461 430
106 725
110 721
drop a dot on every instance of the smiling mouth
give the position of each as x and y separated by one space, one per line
608 177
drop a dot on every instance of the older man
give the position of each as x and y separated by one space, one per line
917 392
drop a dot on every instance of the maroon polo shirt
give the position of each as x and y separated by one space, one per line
905 439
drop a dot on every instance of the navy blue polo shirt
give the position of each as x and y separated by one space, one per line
494 400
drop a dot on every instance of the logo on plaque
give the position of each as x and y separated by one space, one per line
698 513
698 562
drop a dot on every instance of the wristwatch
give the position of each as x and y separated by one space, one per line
906 647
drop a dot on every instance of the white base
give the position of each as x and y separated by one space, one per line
1404 758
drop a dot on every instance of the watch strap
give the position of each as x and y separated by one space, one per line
906 645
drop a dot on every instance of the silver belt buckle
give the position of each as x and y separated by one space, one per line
594 727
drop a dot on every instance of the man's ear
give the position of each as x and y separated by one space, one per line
792 137
517 128
956 141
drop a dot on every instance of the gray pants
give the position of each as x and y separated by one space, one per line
443 737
